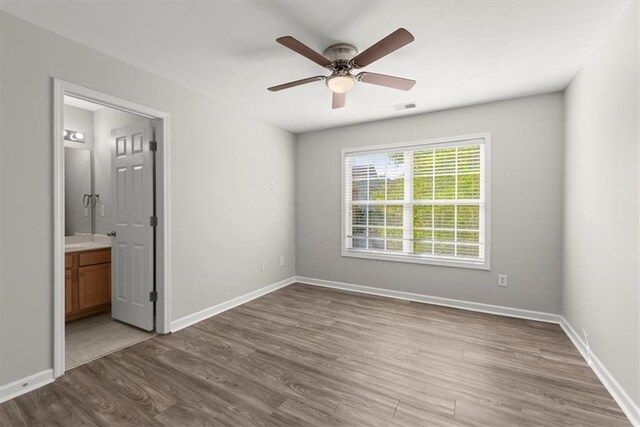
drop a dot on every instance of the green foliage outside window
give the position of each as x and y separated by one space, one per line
439 228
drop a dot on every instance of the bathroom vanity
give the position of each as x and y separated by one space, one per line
87 258
87 280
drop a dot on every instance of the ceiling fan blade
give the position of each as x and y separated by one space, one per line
339 100
391 43
384 80
304 50
296 83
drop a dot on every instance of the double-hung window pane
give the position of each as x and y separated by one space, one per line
418 203
377 191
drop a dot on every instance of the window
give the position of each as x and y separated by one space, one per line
424 202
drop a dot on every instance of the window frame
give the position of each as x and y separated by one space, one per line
416 259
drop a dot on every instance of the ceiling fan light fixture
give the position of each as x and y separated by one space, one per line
341 83
342 58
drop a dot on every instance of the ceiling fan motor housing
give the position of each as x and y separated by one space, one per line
340 52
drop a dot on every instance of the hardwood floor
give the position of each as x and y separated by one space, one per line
307 355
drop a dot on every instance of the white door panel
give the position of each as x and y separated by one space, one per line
132 247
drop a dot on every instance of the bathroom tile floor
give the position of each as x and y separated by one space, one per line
93 337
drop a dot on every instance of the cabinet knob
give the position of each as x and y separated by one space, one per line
111 233
69 276
82 274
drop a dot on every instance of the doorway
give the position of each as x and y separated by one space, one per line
111 214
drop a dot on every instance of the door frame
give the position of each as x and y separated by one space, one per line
163 200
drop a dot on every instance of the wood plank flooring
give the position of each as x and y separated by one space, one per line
306 355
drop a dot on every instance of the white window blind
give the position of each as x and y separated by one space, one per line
422 202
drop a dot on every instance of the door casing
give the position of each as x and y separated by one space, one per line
163 199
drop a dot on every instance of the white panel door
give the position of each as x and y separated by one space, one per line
132 206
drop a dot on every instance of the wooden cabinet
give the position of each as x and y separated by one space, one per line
94 286
87 283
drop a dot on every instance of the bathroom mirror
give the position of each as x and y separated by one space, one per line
79 198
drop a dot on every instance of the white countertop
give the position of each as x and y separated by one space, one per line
86 242
76 247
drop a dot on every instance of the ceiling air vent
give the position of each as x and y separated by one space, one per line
408 105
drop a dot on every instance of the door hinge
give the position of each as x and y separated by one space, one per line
153 145
153 221
153 296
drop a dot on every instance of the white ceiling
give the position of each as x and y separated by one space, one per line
465 52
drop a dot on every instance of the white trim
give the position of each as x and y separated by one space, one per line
379 256
25 385
163 199
201 315
500 310
58 229
163 314
626 403
485 264
454 140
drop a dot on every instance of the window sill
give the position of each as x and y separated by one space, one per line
444 262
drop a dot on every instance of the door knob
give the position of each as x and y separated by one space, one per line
111 233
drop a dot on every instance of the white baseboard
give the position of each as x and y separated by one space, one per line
201 315
447 302
25 385
626 403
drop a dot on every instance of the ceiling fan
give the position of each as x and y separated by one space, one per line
342 58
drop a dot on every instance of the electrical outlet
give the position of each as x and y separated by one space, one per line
502 280
263 266
101 210
281 260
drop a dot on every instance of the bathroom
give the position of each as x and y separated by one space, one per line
95 324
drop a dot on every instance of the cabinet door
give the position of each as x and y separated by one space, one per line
94 286
68 291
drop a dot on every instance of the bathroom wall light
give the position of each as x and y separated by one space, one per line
74 135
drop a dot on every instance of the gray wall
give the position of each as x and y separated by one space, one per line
225 217
601 220
104 120
527 147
